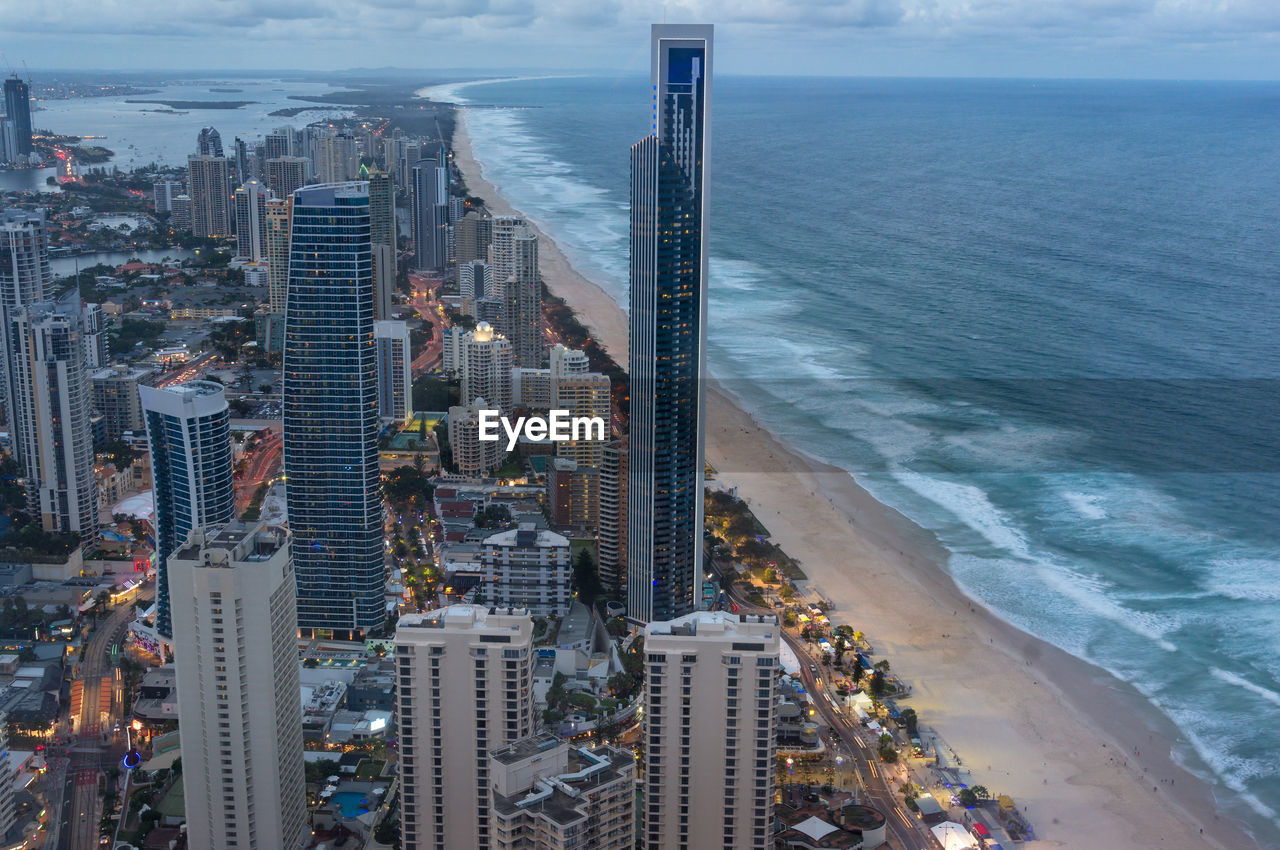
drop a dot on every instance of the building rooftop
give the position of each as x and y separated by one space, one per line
527 535
715 623
564 799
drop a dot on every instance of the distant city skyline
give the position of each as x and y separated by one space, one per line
1064 38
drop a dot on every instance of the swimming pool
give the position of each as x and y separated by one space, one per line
351 803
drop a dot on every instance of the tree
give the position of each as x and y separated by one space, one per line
909 720
968 798
981 792
877 683
586 581
888 754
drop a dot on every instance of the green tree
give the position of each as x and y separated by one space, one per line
909 720
877 683
586 581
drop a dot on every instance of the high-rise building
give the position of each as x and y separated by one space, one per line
251 220
17 106
514 257
209 142
51 409
583 395
485 359
233 602
526 567
279 216
668 330
181 216
245 161
335 158
709 711
475 279
573 494
472 235
466 689
208 183
286 175
395 371
331 414
189 436
430 213
275 144
95 337
472 456
550 795
115 395
8 140
611 521
382 213
25 279
7 773
163 192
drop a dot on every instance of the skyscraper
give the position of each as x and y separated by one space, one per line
668 330
382 213
331 414
709 711
522 299
395 371
233 603
466 688
208 183
335 159
275 144
51 407
473 233
189 435
209 142
17 106
485 358
611 533
163 192
251 220
286 175
279 214
430 213
25 279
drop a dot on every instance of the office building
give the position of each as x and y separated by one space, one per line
514 257
209 143
430 213
251 220
163 192
17 107
115 395
331 414
209 184
25 279
550 795
526 567
189 437
709 703
466 689
286 175
95 336
472 235
232 591
485 365
51 410
611 518
473 457
668 330
395 371
180 213
382 213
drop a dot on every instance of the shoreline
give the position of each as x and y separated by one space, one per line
1072 767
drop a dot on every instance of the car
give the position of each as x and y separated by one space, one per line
813 668
104 841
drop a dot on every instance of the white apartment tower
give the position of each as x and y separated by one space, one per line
485 360
527 567
465 688
709 705
251 220
395 378
209 184
472 456
235 631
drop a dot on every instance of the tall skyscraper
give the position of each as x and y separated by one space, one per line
17 106
189 435
485 358
286 175
115 395
522 299
395 371
181 216
8 140
475 279
709 711
233 602
335 158
7 773
430 213
275 144
163 192
95 337
251 220
466 688
611 535
51 410
472 236
25 279
668 330
208 183
331 414
382 212
209 142
279 215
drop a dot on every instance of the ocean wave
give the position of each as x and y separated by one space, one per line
1245 579
1241 682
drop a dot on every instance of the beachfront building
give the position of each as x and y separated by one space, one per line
466 689
472 235
668 330
430 212
242 768
209 185
550 795
513 254
209 142
709 703
484 358
395 378
189 437
331 414
611 520
527 567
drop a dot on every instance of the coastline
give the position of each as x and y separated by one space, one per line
996 695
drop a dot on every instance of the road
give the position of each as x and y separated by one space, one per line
264 463
189 370
905 831
424 301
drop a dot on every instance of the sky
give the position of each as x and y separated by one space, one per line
1167 39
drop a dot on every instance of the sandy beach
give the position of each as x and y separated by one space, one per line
1087 758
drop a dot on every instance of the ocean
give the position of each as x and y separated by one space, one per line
1040 318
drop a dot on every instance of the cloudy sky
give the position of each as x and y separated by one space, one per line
1178 39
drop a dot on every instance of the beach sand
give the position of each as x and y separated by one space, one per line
1085 756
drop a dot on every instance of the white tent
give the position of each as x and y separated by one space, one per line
953 836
